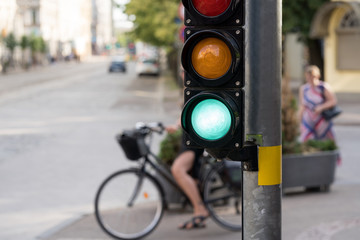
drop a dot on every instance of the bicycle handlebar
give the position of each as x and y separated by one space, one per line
148 128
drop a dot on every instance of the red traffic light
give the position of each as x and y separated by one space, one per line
211 8
214 12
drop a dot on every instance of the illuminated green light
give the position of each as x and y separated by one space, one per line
211 119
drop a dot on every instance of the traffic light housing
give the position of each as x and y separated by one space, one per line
213 61
214 12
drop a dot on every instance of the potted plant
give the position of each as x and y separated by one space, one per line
169 149
311 164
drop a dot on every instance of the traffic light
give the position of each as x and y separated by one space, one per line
213 61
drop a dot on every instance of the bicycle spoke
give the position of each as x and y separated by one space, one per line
223 197
129 205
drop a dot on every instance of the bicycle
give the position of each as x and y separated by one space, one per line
130 203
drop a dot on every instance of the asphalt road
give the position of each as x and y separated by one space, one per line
57 128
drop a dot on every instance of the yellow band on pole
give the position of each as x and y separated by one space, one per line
270 166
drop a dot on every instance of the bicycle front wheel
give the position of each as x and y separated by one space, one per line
129 204
223 199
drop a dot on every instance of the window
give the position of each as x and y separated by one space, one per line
32 17
348 42
349 21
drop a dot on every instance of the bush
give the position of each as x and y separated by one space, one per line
309 146
317 145
170 147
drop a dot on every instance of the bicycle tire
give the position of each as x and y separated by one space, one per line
222 199
124 213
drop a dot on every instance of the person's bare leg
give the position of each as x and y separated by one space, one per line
183 163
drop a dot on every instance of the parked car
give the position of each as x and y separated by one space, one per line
117 65
147 66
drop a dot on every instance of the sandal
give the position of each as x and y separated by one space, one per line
195 222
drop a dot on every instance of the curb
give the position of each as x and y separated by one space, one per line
61 226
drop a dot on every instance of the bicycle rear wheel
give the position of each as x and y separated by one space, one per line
223 199
129 204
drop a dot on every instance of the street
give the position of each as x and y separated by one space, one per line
57 139
57 128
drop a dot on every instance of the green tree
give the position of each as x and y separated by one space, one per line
154 21
43 46
24 44
297 17
10 43
37 45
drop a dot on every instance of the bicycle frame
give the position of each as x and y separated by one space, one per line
164 173
213 199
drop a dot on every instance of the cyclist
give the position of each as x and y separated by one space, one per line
184 170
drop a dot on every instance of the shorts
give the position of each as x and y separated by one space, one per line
195 170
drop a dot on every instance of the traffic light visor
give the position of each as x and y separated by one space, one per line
211 119
211 58
211 8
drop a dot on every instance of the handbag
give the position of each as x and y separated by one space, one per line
330 113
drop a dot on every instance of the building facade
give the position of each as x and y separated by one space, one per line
338 24
7 24
102 25
66 26
7 15
74 27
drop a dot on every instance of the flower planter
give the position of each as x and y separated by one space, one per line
312 170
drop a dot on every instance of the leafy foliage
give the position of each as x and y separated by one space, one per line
310 146
170 147
37 44
289 118
10 42
24 42
297 16
325 145
155 20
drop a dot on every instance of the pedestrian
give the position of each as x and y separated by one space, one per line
184 169
315 97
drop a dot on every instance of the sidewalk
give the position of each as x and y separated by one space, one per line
350 104
87 228
306 216
19 77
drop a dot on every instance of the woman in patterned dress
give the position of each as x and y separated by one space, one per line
315 97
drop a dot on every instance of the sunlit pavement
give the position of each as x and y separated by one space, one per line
334 215
306 215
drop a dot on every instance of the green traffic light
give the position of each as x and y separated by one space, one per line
211 119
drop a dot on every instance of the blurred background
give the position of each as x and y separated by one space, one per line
73 73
